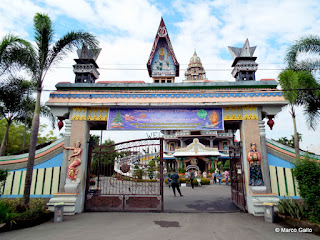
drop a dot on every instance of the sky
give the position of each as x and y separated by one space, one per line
126 30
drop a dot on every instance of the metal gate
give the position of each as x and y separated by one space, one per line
126 176
237 177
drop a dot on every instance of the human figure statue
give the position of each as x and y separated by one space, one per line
72 168
254 159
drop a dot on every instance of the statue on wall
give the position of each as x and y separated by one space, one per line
254 159
72 169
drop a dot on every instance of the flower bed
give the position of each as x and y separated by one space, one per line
14 216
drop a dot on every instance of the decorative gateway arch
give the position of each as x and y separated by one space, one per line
195 104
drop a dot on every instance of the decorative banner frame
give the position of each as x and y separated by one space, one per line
166 119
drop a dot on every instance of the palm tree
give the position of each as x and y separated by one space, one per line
48 53
310 46
14 53
291 81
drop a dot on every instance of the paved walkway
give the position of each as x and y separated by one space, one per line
205 213
208 198
156 226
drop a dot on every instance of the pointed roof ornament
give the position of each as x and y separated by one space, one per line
163 37
244 65
245 51
85 53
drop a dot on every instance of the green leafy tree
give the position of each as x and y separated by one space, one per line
13 105
14 53
226 165
291 81
47 53
307 173
289 142
16 137
298 59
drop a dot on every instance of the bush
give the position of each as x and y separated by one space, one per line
226 166
205 181
307 173
166 181
152 163
184 180
212 170
182 170
3 177
12 210
138 173
292 208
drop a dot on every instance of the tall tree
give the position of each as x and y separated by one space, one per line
48 53
14 105
291 82
304 54
14 53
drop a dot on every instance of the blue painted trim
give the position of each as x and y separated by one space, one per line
56 161
293 197
20 196
176 95
278 162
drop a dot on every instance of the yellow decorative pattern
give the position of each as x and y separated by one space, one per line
240 113
93 114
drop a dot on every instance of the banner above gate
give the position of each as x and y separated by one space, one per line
162 119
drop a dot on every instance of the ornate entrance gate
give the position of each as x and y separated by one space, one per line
237 178
126 176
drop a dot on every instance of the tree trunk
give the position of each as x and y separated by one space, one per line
5 139
295 136
32 149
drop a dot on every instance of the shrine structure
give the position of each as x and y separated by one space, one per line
205 107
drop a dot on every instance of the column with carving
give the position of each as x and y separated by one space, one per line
63 174
264 158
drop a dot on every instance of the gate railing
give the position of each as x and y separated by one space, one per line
128 172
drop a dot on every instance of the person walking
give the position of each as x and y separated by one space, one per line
169 177
219 177
192 176
174 178
214 175
226 175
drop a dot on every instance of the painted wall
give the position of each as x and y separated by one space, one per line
45 180
282 180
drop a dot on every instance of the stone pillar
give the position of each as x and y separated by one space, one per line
63 174
211 143
264 157
249 133
79 131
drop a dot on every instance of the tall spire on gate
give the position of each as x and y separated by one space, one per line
244 63
162 64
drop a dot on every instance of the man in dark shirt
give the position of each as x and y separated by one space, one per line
174 178
192 176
